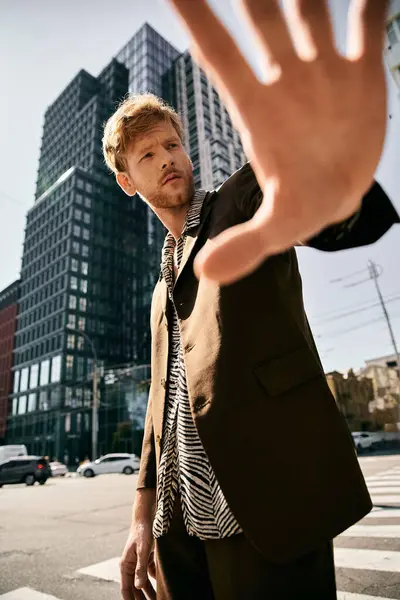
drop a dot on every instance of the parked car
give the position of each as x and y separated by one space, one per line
110 463
24 469
10 450
58 469
363 440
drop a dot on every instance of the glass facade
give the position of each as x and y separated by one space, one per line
91 254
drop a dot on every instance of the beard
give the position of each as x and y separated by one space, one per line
170 198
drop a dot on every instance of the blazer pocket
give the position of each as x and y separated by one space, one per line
283 373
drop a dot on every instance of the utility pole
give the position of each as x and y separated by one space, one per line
374 273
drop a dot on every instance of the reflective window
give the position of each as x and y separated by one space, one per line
84 268
44 372
71 341
69 365
73 283
84 286
72 302
15 406
22 405
71 321
82 304
33 382
43 401
16 382
32 403
81 323
24 379
55 369
67 422
74 265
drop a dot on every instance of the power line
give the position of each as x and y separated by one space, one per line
356 311
349 307
350 329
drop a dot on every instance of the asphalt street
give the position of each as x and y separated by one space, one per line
62 541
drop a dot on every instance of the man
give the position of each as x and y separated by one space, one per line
234 514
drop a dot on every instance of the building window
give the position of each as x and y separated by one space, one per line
69 366
44 372
16 382
75 247
67 422
86 218
77 231
22 405
72 302
70 342
85 250
84 286
79 198
392 35
55 369
85 233
15 406
34 376
32 402
80 367
84 268
80 342
81 323
24 379
73 283
43 401
71 321
82 304
77 214
55 397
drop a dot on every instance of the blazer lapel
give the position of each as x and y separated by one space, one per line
192 237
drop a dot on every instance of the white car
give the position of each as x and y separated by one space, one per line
363 440
110 463
58 469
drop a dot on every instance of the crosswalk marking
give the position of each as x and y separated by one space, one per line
384 513
26 594
384 489
373 531
350 596
108 570
385 499
376 560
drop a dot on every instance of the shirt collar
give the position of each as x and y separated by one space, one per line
193 219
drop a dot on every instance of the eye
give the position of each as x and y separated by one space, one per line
173 144
148 155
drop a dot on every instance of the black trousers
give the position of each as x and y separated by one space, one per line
233 569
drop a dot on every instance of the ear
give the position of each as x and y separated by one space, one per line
125 182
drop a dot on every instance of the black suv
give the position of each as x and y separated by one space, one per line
24 469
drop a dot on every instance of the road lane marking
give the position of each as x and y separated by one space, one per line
351 596
107 570
373 531
368 560
27 594
383 513
382 499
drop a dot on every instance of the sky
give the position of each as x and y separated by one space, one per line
43 44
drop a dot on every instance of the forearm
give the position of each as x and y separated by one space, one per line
144 505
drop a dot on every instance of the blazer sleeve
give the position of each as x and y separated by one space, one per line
373 219
147 472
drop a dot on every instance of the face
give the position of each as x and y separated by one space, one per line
153 157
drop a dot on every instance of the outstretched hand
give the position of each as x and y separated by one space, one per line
313 130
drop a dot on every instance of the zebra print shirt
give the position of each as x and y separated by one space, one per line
184 465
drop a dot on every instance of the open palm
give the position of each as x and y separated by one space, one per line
313 131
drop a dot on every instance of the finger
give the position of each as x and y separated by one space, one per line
366 29
234 253
216 49
127 587
312 28
272 33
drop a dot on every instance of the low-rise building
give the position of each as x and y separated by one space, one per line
353 395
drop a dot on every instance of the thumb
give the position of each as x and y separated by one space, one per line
233 254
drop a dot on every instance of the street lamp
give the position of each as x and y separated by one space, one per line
95 406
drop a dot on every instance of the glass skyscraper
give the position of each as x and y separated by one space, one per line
92 255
